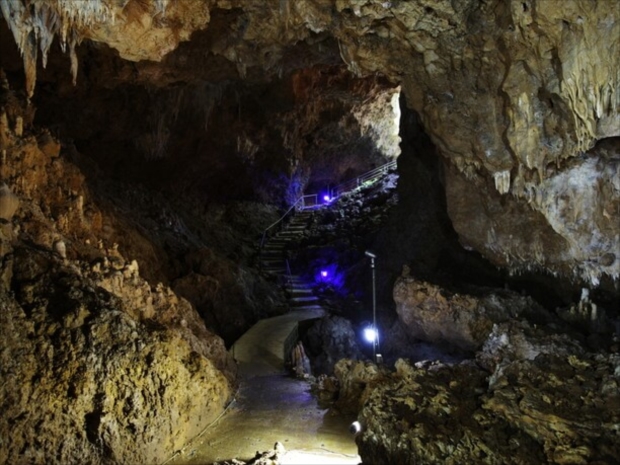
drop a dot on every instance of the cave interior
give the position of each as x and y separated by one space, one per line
154 154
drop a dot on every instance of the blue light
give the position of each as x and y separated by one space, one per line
327 198
328 274
371 334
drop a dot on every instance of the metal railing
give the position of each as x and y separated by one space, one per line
289 277
291 211
308 201
362 180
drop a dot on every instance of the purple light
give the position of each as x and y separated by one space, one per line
327 198
324 273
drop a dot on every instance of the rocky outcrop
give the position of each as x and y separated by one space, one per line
435 314
127 373
532 395
565 222
352 378
329 340
98 365
558 407
84 382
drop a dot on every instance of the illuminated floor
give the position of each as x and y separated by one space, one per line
271 406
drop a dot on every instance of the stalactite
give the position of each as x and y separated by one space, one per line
502 181
35 24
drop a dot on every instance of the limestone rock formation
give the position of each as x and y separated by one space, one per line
569 213
159 25
533 395
98 366
352 378
8 203
520 103
435 314
119 390
329 340
546 410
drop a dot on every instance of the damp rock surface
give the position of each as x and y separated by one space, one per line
329 340
436 314
99 366
557 406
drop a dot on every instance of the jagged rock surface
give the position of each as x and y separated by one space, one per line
518 97
119 389
435 314
552 409
126 370
329 340
565 223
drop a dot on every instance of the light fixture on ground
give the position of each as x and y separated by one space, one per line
327 198
373 331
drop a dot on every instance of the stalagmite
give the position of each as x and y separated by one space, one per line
60 248
8 203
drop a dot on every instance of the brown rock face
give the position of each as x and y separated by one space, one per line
526 413
434 314
118 390
98 366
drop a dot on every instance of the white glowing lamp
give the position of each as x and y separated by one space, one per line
371 334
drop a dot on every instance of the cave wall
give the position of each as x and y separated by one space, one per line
518 123
98 365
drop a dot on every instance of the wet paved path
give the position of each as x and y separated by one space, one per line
272 406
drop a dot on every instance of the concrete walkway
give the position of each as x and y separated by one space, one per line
261 350
272 406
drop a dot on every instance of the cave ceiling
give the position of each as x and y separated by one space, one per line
519 97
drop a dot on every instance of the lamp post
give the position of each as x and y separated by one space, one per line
375 342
